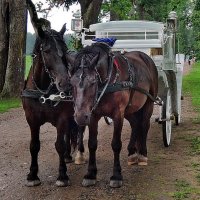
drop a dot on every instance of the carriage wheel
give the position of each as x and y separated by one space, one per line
166 116
108 120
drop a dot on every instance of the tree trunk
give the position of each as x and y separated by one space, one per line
4 42
17 19
141 11
90 10
114 16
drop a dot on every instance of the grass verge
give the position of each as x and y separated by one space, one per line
28 65
191 86
184 191
6 104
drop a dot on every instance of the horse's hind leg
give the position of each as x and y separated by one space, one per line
140 130
80 159
132 149
60 145
146 113
32 178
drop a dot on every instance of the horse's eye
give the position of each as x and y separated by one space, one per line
47 48
93 81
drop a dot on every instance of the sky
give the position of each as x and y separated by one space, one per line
57 17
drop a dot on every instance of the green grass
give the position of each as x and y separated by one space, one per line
6 104
198 178
196 166
191 85
28 65
184 190
195 145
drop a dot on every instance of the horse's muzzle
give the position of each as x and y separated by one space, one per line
82 119
63 85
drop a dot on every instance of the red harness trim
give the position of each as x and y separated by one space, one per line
116 64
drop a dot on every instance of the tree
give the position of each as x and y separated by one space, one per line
12 46
196 28
114 9
90 9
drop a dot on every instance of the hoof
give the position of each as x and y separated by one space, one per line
32 183
142 160
80 159
88 182
115 183
133 159
62 183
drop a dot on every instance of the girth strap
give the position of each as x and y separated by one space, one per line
127 85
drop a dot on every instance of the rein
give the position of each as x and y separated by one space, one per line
111 60
52 80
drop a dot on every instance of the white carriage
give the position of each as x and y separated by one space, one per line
158 41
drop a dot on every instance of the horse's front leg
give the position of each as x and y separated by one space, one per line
90 178
80 158
116 178
60 145
32 178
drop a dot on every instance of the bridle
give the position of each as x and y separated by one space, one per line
52 79
98 77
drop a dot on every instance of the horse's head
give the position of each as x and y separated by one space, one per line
51 49
85 81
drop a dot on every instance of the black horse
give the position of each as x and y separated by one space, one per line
118 86
49 76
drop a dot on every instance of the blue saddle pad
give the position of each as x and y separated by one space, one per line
109 41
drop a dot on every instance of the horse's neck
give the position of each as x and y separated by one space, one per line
120 68
37 77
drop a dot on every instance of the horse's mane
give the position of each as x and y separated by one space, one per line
91 51
48 34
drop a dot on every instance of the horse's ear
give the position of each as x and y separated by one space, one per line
94 60
70 57
63 29
40 33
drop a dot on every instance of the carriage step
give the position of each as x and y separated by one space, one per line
164 120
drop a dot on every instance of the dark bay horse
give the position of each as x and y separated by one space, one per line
118 86
49 75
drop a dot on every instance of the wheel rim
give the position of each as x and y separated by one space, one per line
168 116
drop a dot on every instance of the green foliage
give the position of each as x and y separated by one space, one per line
6 104
30 41
196 28
115 6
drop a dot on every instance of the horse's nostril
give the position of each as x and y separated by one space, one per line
59 84
87 117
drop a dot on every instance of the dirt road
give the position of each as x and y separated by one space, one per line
172 173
